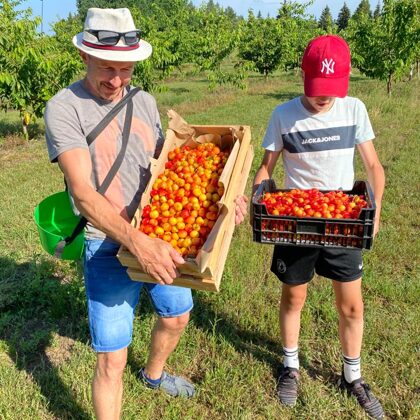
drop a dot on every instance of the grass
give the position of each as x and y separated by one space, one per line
231 348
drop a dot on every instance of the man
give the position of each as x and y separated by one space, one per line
109 47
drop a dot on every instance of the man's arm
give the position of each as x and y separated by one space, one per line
375 174
156 257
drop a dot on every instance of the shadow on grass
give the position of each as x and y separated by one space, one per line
36 304
14 128
260 345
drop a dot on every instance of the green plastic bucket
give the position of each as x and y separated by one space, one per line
56 221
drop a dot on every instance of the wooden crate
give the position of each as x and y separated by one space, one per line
205 271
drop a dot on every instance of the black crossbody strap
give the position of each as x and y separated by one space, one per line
112 172
124 143
110 116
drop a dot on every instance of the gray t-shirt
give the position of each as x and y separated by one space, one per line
318 149
73 113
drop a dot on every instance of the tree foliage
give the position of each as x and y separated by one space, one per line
298 29
363 10
343 18
326 21
385 47
32 69
260 44
377 11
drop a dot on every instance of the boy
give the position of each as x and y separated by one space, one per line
317 134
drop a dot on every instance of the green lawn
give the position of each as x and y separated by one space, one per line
231 348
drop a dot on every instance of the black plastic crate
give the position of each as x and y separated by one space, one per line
311 231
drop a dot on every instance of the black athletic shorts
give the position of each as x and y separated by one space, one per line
297 265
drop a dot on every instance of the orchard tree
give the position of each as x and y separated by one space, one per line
261 44
326 21
32 68
385 47
84 5
343 17
214 38
377 11
297 30
362 10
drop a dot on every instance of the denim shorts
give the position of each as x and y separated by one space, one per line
112 297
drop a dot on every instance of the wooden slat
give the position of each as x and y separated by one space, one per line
184 281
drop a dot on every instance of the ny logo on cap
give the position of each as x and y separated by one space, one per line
328 66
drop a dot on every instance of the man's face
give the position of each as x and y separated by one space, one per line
107 79
318 104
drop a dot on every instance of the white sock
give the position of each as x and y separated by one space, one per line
351 369
291 357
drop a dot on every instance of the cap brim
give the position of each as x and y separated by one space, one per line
326 86
139 54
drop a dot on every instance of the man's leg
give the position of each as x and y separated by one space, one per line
165 337
107 386
173 305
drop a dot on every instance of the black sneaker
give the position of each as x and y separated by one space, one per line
361 390
287 385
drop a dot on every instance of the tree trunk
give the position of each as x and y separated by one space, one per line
25 131
389 85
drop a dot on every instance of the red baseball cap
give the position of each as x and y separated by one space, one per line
326 63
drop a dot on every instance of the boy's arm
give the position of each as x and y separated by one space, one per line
264 172
266 168
375 174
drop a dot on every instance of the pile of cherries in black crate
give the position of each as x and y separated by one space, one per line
314 218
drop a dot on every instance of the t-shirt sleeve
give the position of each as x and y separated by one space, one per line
160 139
273 140
364 130
63 131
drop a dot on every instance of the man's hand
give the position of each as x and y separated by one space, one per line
157 258
240 208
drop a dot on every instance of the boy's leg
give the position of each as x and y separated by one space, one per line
345 268
291 304
295 268
348 298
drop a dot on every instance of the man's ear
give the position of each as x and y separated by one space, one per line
85 57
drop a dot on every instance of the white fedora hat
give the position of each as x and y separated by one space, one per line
110 34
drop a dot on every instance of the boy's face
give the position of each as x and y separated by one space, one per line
318 104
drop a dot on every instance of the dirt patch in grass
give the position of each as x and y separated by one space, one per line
60 351
11 141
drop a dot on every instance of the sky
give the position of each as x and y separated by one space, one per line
53 10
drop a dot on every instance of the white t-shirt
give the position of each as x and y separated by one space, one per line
318 149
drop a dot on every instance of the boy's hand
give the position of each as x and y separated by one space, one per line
240 208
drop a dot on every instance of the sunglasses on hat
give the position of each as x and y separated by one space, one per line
112 38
